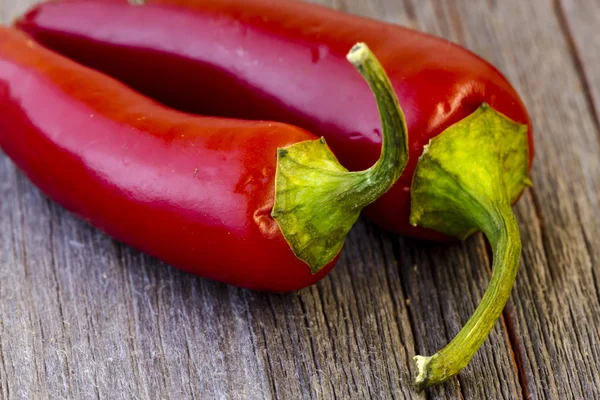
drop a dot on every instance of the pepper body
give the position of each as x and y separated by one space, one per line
283 61
196 192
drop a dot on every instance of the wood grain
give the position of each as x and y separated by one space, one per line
82 316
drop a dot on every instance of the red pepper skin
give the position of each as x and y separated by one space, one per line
284 61
196 192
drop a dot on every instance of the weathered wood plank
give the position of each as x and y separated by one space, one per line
580 22
84 317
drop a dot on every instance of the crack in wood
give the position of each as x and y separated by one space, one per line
270 363
4 381
577 61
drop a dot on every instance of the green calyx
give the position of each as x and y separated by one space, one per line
466 181
317 200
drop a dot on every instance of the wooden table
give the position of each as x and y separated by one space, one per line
82 316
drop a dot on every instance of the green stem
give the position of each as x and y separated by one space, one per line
465 181
394 147
317 200
503 234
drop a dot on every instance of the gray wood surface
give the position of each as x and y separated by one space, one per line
82 316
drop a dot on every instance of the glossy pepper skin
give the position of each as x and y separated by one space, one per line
282 60
194 191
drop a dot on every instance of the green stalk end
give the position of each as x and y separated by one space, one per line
317 200
464 182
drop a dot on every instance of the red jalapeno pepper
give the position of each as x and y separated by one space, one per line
470 145
197 192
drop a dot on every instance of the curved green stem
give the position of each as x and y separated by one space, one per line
503 234
317 200
394 147
465 181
